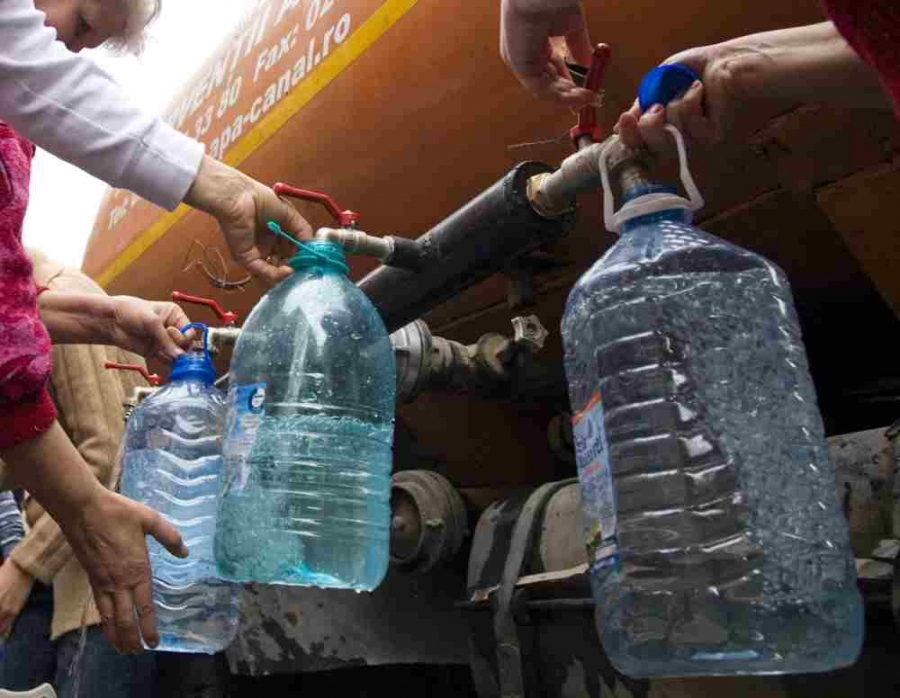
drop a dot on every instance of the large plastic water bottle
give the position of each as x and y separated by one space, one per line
718 546
172 462
306 498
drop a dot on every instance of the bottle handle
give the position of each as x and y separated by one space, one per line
612 219
203 328
687 179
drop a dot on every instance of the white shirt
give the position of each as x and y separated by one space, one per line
69 106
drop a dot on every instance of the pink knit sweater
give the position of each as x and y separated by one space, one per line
26 409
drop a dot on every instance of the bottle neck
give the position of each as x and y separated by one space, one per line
645 201
634 179
192 367
320 257
675 215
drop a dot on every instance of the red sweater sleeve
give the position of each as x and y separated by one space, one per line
25 406
872 28
23 420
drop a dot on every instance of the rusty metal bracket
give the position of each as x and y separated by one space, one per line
509 650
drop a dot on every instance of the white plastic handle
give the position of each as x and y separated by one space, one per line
45 691
611 219
687 180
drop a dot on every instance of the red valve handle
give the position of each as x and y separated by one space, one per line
226 316
587 116
346 219
152 378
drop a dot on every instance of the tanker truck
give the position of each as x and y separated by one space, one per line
402 113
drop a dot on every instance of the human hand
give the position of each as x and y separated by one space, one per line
526 30
148 328
108 535
704 114
106 531
15 588
243 207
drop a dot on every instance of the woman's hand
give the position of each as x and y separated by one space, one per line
108 535
243 207
704 114
15 588
148 328
800 65
526 30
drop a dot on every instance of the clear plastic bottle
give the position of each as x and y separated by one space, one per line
718 546
306 499
172 462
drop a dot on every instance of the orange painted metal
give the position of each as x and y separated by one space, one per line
417 124
414 114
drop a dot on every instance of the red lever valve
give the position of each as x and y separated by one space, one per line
587 116
152 378
346 219
226 316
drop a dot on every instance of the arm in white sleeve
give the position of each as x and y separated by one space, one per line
67 105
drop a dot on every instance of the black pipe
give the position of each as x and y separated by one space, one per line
476 241
406 255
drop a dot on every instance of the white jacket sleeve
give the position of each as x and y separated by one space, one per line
69 106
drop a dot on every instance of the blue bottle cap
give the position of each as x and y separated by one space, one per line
194 365
663 84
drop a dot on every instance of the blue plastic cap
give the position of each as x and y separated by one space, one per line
663 84
193 366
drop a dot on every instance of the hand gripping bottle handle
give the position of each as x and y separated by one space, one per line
651 203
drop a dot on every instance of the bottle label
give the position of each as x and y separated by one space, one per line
247 408
597 493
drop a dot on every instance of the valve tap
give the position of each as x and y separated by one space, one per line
219 337
130 404
587 130
393 250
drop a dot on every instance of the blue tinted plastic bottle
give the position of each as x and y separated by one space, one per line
172 462
718 546
308 440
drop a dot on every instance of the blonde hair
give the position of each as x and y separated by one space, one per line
141 14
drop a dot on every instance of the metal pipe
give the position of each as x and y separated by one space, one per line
553 194
476 241
220 338
357 242
392 250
